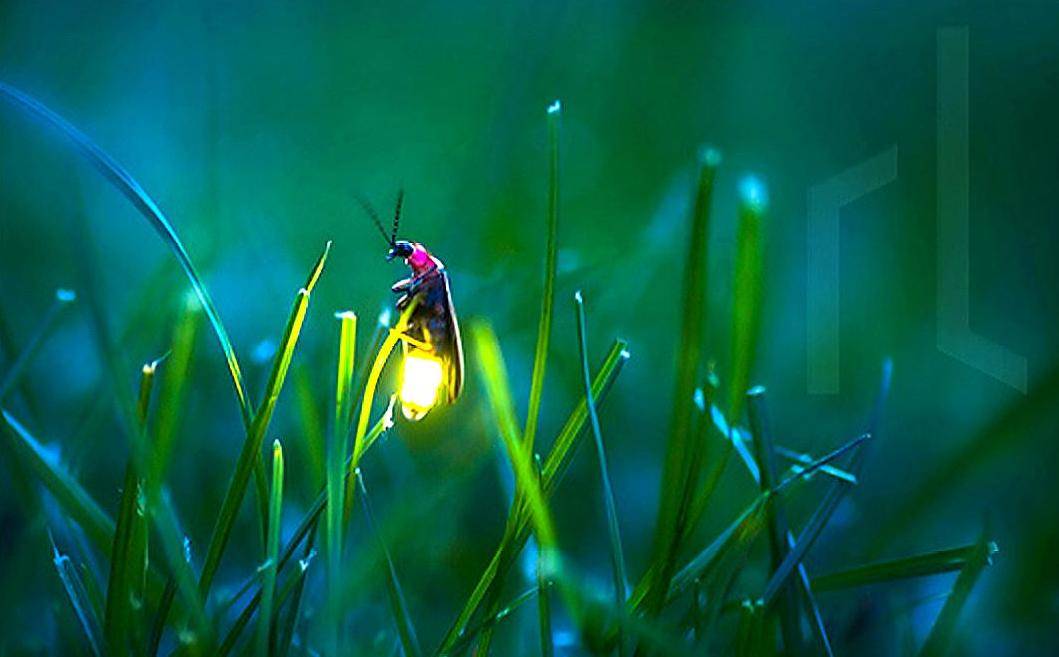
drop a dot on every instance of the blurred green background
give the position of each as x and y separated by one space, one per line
254 126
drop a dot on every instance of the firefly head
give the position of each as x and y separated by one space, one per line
400 249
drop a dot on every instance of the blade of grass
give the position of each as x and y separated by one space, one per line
617 554
372 381
174 387
919 565
775 515
336 457
294 609
940 639
265 620
552 471
398 606
748 292
681 466
128 187
63 298
812 530
544 596
494 375
464 642
78 596
295 580
311 425
306 529
128 560
544 326
72 497
251 449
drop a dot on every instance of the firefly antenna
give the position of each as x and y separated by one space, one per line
370 211
397 215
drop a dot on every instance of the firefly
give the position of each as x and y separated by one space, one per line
432 363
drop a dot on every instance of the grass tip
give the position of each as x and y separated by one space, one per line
65 295
346 314
625 355
555 107
753 193
578 298
709 157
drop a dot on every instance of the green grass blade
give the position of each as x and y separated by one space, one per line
776 517
555 466
506 610
368 397
336 458
266 621
919 565
128 558
680 469
544 584
63 298
311 424
128 187
398 606
79 599
293 582
748 293
494 374
940 639
72 497
307 527
165 603
251 449
617 554
290 624
813 527
173 388
544 326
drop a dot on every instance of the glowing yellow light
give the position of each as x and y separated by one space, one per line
420 382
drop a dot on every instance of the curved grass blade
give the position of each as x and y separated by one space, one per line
939 641
920 565
79 599
72 497
555 466
290 626
251 450
266 621
680 470
128 187
617 554
494 375
544 326
398 607
383 355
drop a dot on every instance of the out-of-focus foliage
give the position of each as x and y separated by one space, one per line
255 127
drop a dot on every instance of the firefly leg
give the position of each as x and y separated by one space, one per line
419 344
402 285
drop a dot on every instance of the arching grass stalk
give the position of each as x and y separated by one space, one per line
368 397
617 555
